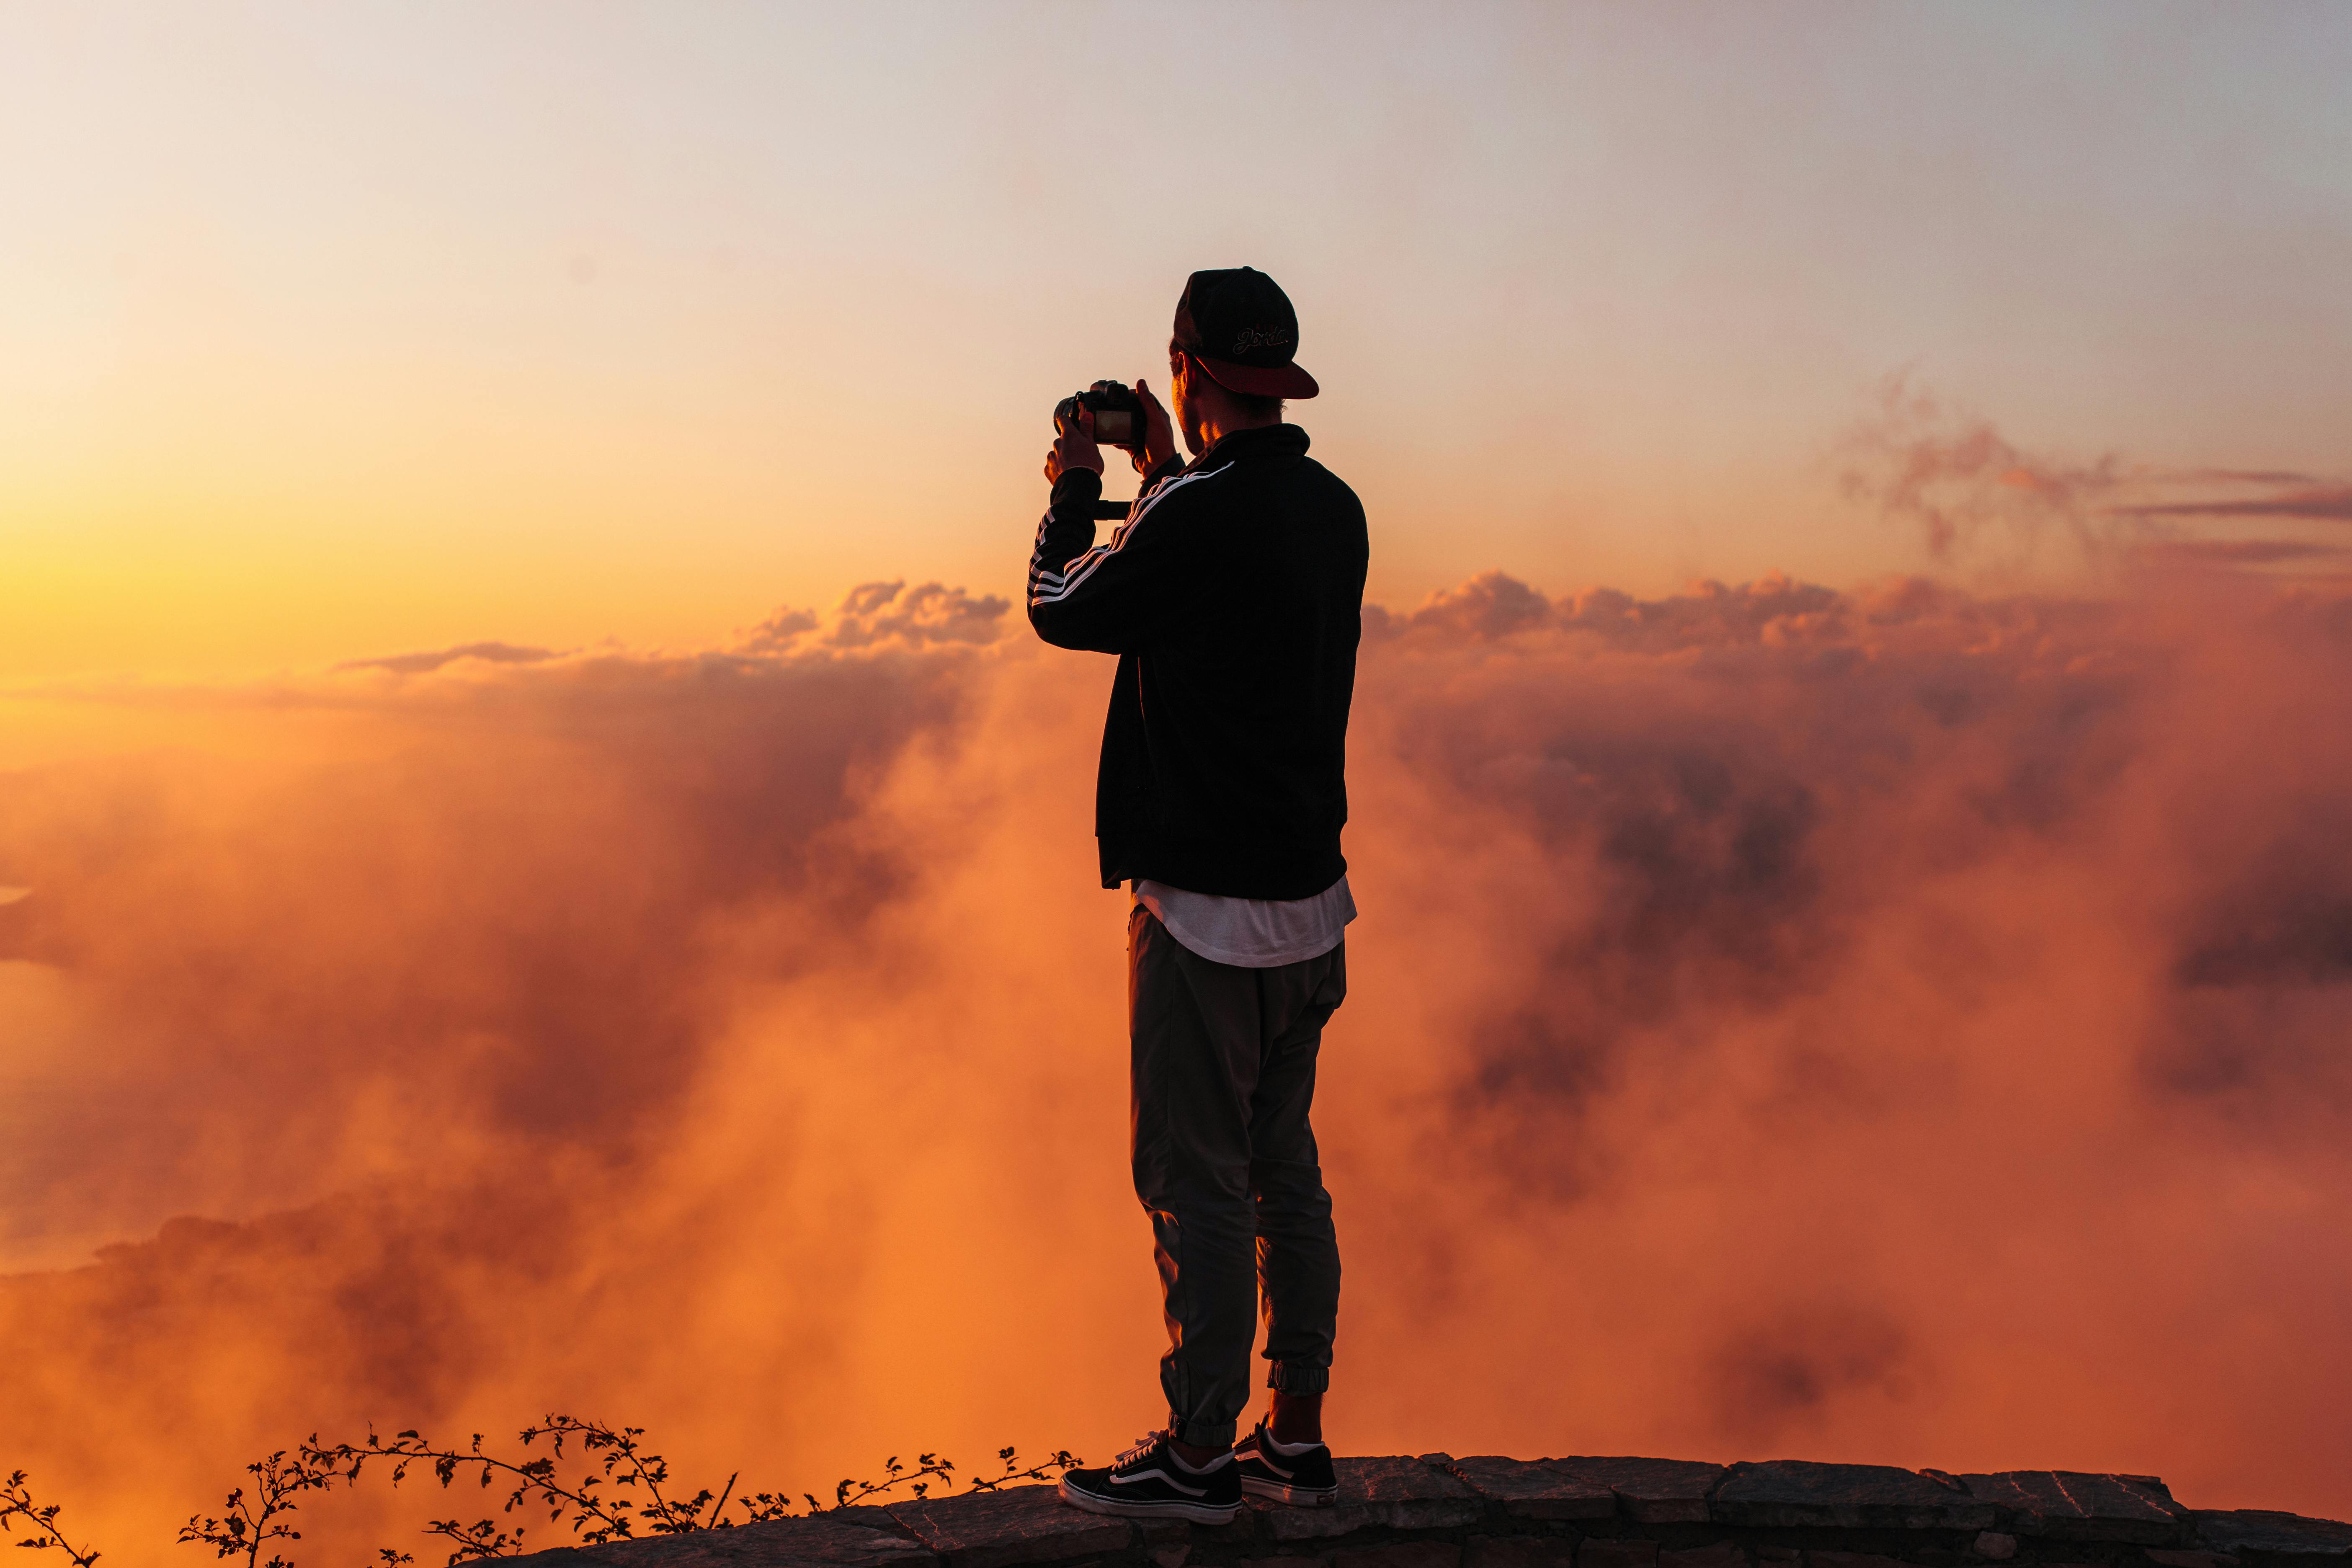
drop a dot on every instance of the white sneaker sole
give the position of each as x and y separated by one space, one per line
1119 1507
1297 1497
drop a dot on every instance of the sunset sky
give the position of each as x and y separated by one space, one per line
539 866
344 330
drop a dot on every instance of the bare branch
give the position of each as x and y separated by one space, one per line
17 1502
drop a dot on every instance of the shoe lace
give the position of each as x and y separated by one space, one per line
1143 1445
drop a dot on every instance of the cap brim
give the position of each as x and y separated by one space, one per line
1282 381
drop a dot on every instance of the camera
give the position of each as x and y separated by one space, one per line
1118 413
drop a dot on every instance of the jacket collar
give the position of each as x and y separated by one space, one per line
1252 445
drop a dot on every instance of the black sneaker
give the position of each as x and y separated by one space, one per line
1151 1482
1291 1473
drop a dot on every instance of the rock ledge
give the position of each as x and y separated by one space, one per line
1434 1511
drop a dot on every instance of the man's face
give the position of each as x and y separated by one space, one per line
1181 408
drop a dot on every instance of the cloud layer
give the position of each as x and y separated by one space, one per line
1901 1025
1974 494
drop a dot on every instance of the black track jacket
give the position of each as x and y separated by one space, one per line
1234 597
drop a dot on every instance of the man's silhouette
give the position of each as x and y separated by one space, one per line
1233 595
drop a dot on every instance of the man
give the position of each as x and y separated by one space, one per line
1233 595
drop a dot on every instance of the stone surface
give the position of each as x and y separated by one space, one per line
1487 1511
1239 1538
2264 1532
1814 1559
1530 1490
1604 1553
1411 1493
1518 1551
1401 1555
1721 1554
2079 1505
1019 1524
1395 1494
846 1538
1786 1493
1650 1491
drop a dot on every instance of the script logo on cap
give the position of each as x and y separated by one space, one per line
1250 338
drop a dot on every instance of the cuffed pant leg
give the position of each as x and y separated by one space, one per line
1298 1247
1194 1038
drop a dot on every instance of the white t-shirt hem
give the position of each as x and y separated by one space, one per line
1244 960
1251 933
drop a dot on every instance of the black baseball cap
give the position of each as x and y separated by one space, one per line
1238 323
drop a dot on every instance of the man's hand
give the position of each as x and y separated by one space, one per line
1158 435
1074 444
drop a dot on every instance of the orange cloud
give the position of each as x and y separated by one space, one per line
1897 1025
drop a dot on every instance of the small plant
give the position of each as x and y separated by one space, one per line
599 1511
623 1491
17 1502
252 1519
1014 1470
760 1506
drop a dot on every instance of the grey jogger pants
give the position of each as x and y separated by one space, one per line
1221 1074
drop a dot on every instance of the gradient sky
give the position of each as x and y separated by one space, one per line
337 331
1888 1021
